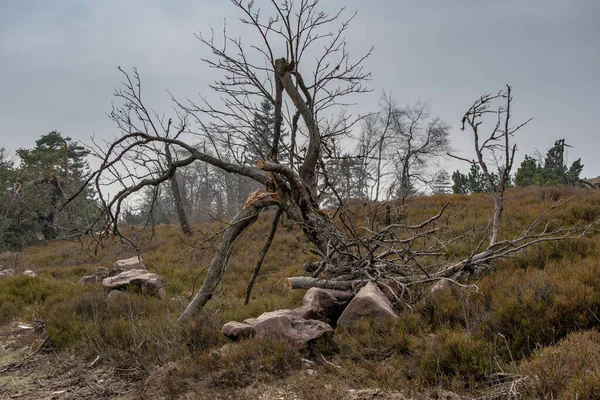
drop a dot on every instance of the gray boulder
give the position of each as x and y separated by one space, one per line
30 273
99 276
298 331
147 282
7 272
370 303
324 304
238 330
130 263
280 324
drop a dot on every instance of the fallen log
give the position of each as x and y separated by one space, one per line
306 282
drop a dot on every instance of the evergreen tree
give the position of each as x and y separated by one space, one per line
529 173
260 138
473 182
554 172
48 174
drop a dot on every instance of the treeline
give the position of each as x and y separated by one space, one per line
397 155
552 171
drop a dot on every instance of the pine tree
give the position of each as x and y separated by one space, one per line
554 172
260 138
48 174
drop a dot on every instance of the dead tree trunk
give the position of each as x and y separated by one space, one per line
181 215
242 221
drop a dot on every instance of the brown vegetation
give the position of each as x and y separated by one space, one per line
473 340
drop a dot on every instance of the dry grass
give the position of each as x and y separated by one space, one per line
519 319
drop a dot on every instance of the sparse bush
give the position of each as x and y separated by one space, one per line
23 297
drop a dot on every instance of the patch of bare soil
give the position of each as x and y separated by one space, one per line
29 369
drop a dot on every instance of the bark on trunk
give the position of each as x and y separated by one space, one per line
183 221
263 253
181 215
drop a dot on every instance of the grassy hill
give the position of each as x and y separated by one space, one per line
530 324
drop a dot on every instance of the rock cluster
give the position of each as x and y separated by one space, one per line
7 272
127 273
11 272
321 310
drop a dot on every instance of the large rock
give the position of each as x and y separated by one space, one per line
280 324
147 282
130 263
389 287
325 305
307 312
442 286
298 331
266 315
99 276
238 330
370 303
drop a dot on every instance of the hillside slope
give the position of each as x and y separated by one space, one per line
532 319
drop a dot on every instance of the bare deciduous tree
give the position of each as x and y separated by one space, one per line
402 143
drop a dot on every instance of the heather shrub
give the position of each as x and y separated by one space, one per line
253 359
455 358
568 370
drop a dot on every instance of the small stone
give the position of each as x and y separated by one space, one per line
443 285
222 351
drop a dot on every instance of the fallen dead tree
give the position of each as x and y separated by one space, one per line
293 173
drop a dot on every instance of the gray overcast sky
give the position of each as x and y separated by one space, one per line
58 59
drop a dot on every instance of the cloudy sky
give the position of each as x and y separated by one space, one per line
58 61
